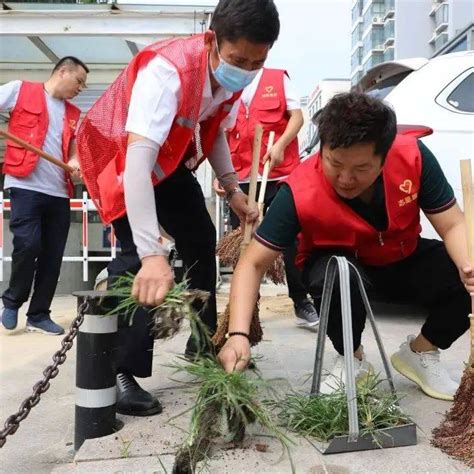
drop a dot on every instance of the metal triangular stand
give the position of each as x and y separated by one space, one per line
404 435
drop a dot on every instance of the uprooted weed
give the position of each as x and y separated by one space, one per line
225 404
325 416
168 316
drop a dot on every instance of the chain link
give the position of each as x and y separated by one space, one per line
12 423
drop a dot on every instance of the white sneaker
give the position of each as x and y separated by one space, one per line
425 369
336 378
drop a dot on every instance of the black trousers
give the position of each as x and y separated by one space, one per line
427 278
296 289
40 225
182 212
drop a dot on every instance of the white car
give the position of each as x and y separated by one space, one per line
437 93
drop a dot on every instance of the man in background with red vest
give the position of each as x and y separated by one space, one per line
138 147
271 101
360 197
41 114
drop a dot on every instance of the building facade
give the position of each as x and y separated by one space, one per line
320 96
384 30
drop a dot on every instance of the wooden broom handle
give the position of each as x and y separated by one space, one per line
257 145
263 184
38 151
468 201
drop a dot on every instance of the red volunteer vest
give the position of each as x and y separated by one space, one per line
268 108
327 222
29 121
102 139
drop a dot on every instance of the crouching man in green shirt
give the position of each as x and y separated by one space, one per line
360 197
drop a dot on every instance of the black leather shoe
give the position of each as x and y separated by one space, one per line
133 400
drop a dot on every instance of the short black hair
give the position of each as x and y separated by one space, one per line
352 118
257 21
70 61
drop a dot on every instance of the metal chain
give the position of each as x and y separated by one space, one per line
12 423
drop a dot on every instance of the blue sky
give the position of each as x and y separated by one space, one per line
315 41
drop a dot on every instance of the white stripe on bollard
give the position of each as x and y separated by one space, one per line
98 398
99 324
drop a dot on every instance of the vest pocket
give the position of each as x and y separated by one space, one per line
27 117
15 154
268 111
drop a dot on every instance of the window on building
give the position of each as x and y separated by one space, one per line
441 15
378 37
440 40
461 46
356 58
356 11
388 55
356 35
378 9
462 97
389 29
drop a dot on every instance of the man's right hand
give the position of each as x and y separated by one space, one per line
76 175
235 354
153 281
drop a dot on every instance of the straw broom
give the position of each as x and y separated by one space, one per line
256 333
229 247
455 434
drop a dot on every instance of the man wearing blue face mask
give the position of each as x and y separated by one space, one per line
232 78
139 145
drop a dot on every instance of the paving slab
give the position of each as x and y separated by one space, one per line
44 441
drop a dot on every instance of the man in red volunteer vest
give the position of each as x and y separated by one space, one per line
361 197
138 147
271 101
41 114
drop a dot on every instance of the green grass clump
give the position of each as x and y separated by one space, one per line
225 404
325 416
168 316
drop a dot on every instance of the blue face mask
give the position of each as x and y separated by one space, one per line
232 78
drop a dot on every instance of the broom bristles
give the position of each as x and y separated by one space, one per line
228 248
455 434
256 332
228 251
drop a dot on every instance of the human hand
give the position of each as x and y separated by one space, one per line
74 163
153 281
246 214
218 189
276 155
235 354
466 273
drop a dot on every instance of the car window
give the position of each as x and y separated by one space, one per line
462 97
385 86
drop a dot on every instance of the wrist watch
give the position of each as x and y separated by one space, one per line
231 192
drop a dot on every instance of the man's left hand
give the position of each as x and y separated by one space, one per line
276 155
239 204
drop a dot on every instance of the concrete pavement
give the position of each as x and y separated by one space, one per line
43 442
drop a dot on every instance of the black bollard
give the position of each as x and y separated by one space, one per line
95 371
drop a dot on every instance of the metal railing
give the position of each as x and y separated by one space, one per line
84 205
